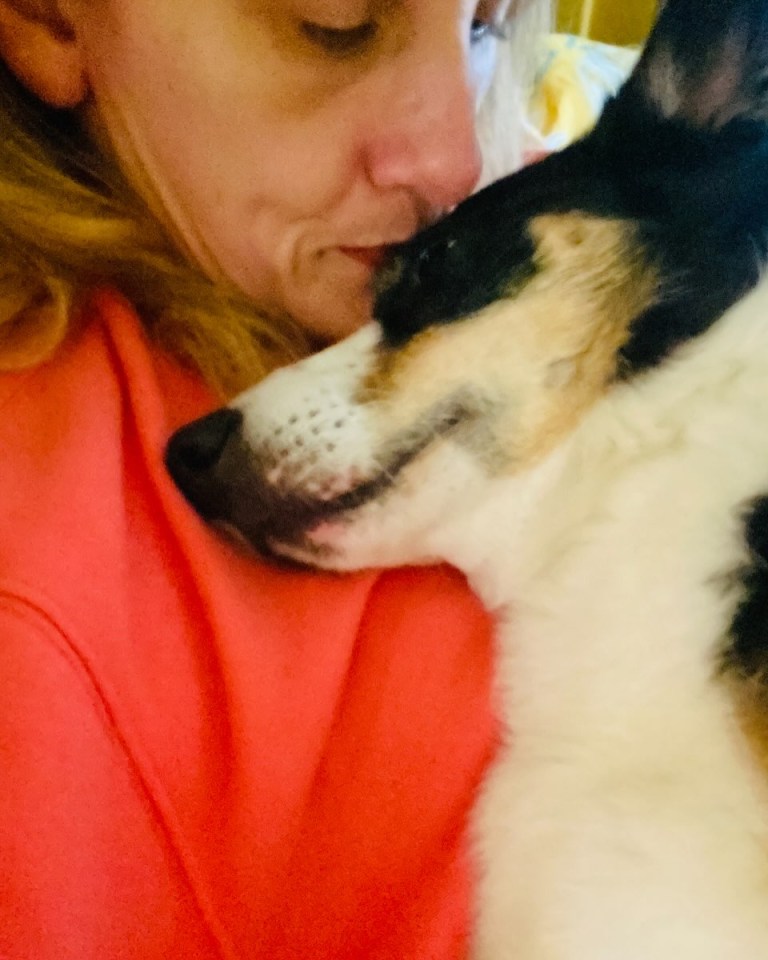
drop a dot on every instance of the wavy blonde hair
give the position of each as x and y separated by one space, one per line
69 221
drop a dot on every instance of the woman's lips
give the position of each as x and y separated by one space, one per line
371 257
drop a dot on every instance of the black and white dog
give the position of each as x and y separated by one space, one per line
566 396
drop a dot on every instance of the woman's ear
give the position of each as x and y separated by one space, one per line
40 46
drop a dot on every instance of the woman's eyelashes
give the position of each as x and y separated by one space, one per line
487 30
341 41
348 41
491 21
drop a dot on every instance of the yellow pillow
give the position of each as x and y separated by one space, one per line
575 78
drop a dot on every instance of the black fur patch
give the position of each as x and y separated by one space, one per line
747 652
700 199
451 270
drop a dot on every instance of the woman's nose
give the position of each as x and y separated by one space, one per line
424 138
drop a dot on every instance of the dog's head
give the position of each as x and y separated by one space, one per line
499 327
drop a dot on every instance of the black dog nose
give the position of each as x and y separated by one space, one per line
195 450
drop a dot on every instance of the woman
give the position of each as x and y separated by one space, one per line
202 756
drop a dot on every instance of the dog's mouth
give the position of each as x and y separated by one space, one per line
285 526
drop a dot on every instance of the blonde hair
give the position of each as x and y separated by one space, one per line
502 118
69 222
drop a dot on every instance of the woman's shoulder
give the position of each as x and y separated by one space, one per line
94 530
95 534
106 369
78 434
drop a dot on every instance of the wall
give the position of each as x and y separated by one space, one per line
612 21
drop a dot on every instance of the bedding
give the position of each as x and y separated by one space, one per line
573 81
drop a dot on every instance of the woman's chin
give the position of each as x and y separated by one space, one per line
331 311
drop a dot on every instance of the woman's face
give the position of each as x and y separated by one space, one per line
286 142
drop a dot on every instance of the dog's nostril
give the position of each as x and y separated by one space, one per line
198 446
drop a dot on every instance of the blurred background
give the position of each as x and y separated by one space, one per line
595 47
622 22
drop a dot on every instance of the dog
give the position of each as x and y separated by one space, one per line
565 394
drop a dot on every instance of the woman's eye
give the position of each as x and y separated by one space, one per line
485 29
340 42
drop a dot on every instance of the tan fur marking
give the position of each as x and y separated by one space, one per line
535 361
750 698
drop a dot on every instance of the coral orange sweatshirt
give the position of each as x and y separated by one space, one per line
201 756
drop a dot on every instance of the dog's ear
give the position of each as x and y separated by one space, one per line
706 62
